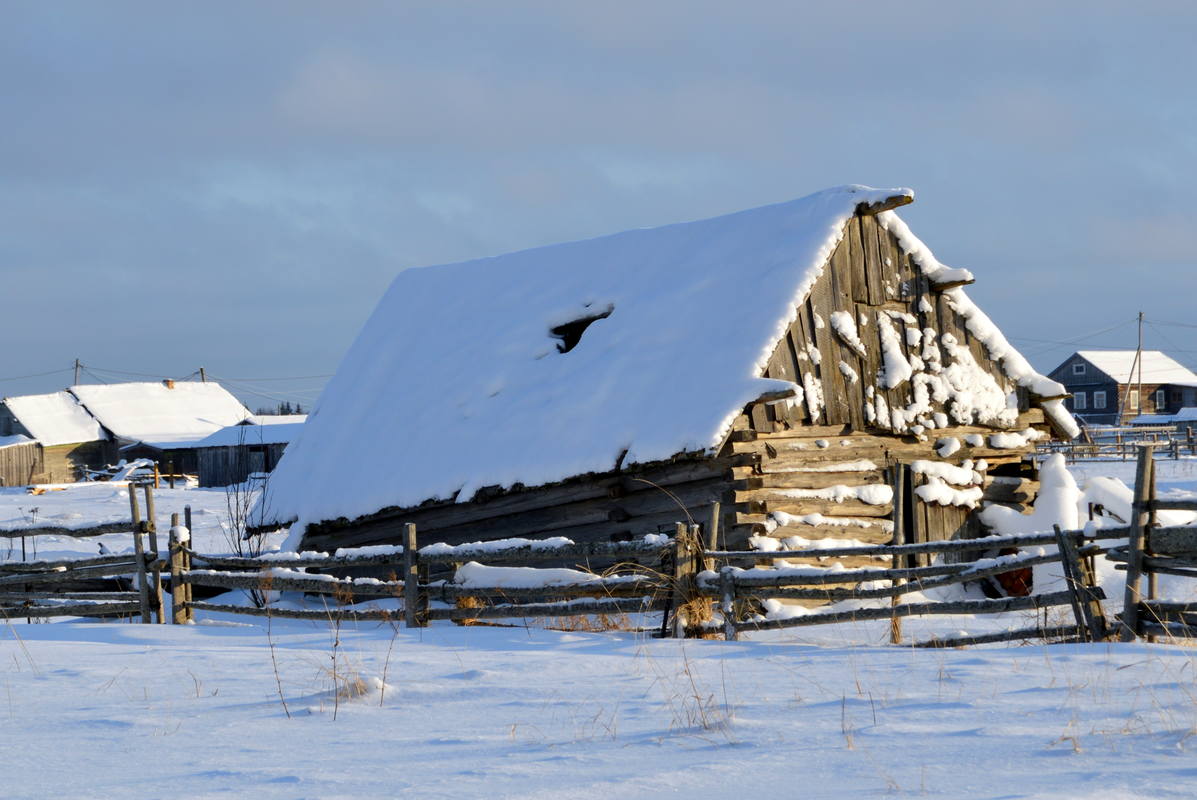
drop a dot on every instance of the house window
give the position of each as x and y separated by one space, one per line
1134 399
1099 399
1078 401
1078 369
1160 400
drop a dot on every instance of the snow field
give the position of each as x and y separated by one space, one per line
103 710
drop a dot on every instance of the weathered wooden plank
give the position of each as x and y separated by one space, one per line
1175 541
871 534
820 304
807 480
874 269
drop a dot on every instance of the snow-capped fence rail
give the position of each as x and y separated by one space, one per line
474 591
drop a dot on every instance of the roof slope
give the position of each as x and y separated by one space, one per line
456 381
161 415
239 435
1157 367
54 419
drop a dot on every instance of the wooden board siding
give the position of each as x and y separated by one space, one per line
65 463
868 276
224 466
20 463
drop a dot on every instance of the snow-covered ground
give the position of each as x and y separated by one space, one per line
104 710
95 709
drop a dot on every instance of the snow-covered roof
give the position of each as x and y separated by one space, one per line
457 381
55 418
237 435
1157 367
1187 414
159 414
14 440
275 419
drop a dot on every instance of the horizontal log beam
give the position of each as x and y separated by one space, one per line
288 583
888 204
1002 605
537 552
77 533
945 546
568 609
32 567
73 610
329 615
80 574
1051 632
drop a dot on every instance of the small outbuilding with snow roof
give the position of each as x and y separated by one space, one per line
763 373
49 438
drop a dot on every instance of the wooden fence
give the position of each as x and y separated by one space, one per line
697 589
1123 444
51 588
1152 551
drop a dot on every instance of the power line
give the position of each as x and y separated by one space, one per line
37 374
296 378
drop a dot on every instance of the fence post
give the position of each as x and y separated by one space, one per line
414 601
143 591
1139 522
188 591
895 622
685 565
151 521
727 588
178 593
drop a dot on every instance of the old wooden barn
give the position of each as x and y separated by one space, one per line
161 420
63 439
778 362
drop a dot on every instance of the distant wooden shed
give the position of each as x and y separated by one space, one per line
780 362
255 446
64 439
161 420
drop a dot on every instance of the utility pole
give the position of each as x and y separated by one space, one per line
203 377
76 383
1139 358
1130 377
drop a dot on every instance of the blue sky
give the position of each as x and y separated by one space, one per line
234 185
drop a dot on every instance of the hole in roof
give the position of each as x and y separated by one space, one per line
570 333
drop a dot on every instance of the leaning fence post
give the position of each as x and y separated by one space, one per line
727 588
413 602
1071 564
151 517
1137 535
899 537
143 592
179 537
